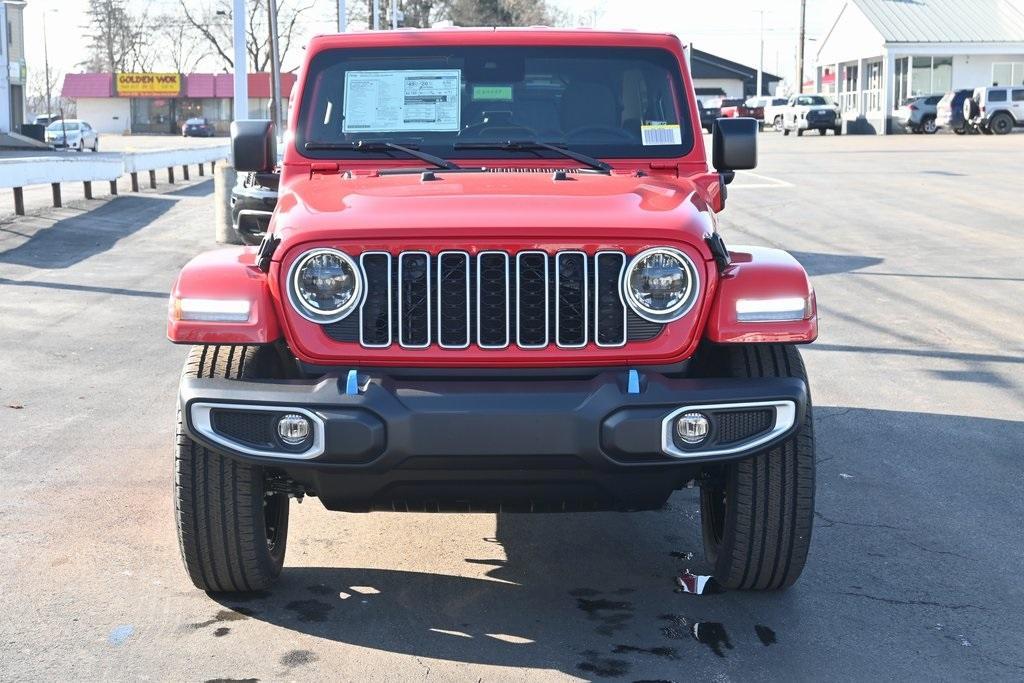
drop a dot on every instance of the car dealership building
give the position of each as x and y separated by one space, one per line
880 52
158 103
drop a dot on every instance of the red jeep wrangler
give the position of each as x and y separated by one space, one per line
493 282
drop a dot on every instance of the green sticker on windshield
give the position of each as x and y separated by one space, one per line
492 93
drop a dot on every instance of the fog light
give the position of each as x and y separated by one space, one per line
293 429
692 428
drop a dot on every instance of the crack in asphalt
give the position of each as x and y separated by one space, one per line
833 522
916 603
937 552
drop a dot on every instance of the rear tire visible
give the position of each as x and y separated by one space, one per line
838 130
757 515
928 126
232 533
778 124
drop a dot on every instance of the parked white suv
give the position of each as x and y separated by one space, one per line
995 110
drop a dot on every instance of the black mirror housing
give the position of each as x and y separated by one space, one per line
734 144
253 145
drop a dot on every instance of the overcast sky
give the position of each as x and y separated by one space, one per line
729 28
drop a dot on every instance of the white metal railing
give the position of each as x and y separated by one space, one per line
873 100
849 101
87 168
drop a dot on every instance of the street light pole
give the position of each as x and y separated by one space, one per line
241 69
800 48
46 67
342 16
760 60
376 15
275 70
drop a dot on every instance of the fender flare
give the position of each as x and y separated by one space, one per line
229 277
762 274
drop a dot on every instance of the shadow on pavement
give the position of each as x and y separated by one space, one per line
200 189
903 539
75 239
816 263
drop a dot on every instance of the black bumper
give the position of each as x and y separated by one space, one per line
594 443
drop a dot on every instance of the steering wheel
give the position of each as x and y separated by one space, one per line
601 132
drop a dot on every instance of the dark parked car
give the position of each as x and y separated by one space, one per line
197 128
708 115
950 111
253 199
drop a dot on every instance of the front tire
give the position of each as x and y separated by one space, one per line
232 533
757 514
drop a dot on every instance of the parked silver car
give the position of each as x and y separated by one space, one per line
918 114
72 134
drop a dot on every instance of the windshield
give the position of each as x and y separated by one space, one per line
61 125
811 100
618 102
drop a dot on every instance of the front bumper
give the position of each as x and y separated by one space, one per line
606 441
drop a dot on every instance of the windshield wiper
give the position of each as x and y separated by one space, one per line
384 146
535 145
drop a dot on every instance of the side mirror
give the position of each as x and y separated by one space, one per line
253 145
734 144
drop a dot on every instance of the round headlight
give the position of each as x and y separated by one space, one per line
660 284
325 285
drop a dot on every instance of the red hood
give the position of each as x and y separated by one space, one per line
469 206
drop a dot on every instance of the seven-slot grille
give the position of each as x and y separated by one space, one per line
495 299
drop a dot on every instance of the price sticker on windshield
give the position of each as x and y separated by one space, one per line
405 100
660 134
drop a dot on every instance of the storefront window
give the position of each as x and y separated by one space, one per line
153 115
1008 73
942 75
900 85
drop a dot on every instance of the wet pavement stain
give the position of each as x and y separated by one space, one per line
296 658
310 610
221 632
678 628
605 667
714 635
765 635
237 614
666 652
613 614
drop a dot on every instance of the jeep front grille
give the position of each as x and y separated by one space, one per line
529 299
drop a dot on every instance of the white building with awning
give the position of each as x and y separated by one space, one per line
880 52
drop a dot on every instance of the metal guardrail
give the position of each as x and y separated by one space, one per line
57 169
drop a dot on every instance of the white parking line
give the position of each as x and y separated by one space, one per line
771 182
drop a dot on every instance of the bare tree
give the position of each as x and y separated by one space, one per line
500 13
211 22
179 46
118 39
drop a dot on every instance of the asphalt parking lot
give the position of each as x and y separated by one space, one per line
915 247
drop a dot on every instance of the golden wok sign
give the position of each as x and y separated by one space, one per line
148 85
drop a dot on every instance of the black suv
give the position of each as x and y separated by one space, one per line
950 111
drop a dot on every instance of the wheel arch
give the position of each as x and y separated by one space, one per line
760 274
223 275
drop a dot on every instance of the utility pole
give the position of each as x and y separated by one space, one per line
760 60
241 69
376 15
394 14
800 48
342 16
276 113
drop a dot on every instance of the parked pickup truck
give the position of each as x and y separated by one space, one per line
811 112
494 281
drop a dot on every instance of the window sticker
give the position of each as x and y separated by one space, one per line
397 101
660 134
492 93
